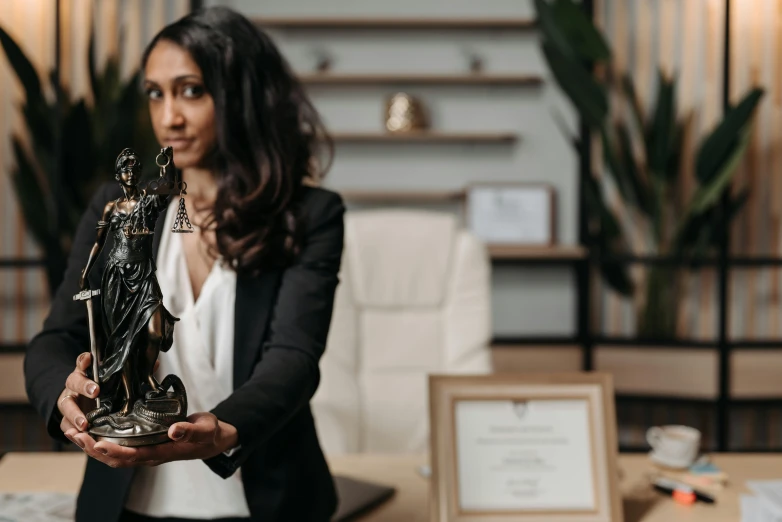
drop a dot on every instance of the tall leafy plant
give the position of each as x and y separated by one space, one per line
642 153
92 132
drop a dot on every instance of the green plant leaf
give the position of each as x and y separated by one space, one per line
693 233
91 66
717 148
31 196
736 203
24 69
573 139
718 221
588 96
550 29
609 225
618 277
608 239
700 232
660 135
628 86
110 83
616 167
584 38
77 154
708 194
673 165
40 118
642 195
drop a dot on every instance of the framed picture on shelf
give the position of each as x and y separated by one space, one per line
518 214
523 448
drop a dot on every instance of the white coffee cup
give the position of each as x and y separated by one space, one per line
674 445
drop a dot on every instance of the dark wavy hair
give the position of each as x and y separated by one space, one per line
270 139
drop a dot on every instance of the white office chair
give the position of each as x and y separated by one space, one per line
414 299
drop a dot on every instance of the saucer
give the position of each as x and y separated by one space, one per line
668 462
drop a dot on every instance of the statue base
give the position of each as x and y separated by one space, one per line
148 423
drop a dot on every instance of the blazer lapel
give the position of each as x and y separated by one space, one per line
255 298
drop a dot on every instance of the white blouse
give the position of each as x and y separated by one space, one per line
202 356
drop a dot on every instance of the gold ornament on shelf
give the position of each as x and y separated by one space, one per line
405 113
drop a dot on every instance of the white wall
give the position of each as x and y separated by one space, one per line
527 301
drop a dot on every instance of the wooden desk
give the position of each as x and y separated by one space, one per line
61 472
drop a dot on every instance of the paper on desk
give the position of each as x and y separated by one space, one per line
753 509
769 495
37 507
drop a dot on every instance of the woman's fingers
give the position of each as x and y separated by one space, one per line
66 425
81 385
115 451
83 361
86 443
71 411
78 382
201 428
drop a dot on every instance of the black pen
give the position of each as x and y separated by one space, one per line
668 487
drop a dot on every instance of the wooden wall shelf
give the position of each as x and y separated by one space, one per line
397 23
424 137
423 79
541 252
404 196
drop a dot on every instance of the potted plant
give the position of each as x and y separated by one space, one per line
642 154
92 133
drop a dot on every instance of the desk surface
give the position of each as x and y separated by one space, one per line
62 472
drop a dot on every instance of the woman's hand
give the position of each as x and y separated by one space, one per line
77 397
201 437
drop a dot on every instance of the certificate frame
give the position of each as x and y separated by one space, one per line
446 391
549 214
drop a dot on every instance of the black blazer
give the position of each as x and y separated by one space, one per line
282 320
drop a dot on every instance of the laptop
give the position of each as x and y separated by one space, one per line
357 497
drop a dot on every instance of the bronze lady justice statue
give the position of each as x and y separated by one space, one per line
133 408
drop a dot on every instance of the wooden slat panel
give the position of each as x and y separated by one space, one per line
755 373
530 252
531 359
667 35
775 171
665 371
12 378
709 109
107 16
133 46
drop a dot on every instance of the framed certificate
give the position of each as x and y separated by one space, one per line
513 213
515 448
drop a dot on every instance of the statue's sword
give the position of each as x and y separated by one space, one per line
86 296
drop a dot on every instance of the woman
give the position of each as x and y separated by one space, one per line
253 290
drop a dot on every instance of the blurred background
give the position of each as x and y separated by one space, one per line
653 128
